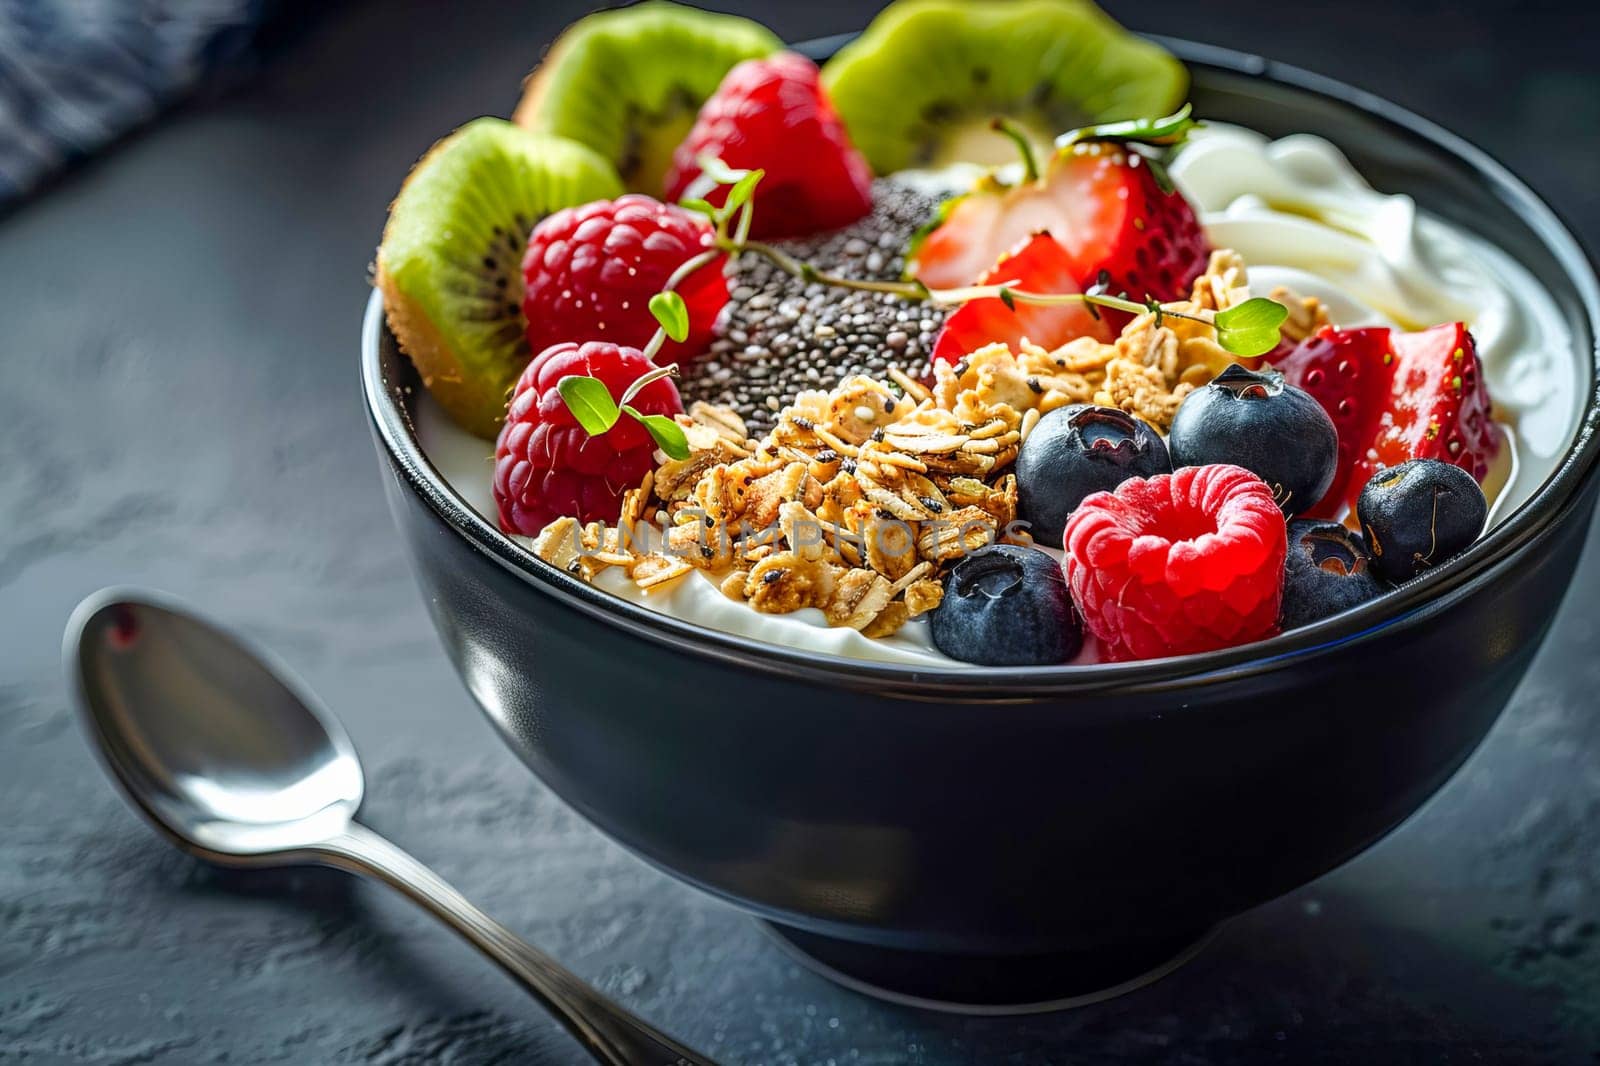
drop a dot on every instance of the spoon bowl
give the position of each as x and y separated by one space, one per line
207 736
232 761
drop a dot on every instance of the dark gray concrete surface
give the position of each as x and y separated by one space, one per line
179 408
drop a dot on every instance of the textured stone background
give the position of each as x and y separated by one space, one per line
178 326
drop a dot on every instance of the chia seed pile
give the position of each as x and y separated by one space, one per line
781 336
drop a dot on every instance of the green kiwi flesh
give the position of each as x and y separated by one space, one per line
629 83
450 266
920 87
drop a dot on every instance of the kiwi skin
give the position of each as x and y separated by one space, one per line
921 85
450 265
629 83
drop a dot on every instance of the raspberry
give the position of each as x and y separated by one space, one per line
772 114
546 466
1178 563
590 271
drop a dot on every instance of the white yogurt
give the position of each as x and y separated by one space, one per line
1302 217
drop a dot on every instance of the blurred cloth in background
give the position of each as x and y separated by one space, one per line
76 74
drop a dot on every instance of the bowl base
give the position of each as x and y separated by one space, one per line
989 984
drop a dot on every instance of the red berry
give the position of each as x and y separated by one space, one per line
1348 372
1038 265
1394 397
1146 239
590 271
1101 201
547 466
1178 563
772 114
1442 408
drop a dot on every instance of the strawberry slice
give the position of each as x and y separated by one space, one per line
1347 371
1102 201
1040 264
1442 408
1396 396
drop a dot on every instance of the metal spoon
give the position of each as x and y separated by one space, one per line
233 762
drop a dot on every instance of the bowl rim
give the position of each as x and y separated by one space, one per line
1413 603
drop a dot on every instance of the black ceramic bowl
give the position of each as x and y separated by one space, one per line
1004 836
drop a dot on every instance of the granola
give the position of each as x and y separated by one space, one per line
860 497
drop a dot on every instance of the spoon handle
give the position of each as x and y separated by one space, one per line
610 1033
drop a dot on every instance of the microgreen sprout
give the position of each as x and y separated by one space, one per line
591 404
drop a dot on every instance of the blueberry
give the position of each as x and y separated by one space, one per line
1419 514
1007 606
1327 570
1078 450
1256 420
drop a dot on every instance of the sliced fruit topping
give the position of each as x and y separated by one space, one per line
1442 408
921 85
1418 514
548 464
1006 606
1327 570
450 263
1350 373
1039 265
1179 563
771 114
590 272
1125 228
629 83
1396 396
1255 420
1076 451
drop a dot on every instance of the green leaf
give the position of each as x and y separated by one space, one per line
703 207
742 190
1251 328
672 313
667 434
1008 299
1248 342
1259 313
1169 129
590 403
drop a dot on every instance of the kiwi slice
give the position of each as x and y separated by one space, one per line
450 266
629 83
920 87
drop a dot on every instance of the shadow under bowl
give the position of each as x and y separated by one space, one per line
999 837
